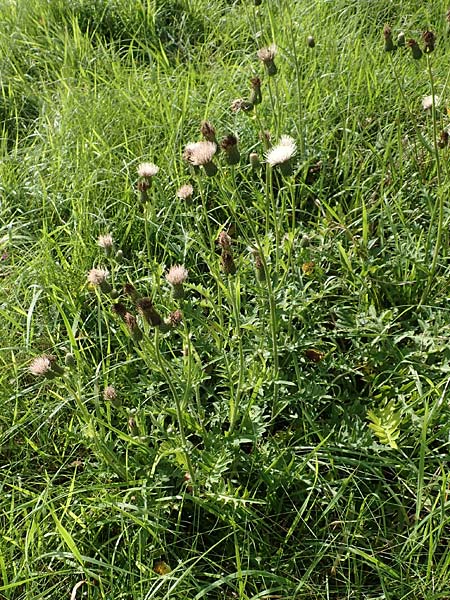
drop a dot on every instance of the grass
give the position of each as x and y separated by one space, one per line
289 438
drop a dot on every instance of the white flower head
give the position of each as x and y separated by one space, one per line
147 170
105 241
185 191
267 54
199 153
97 276
427 102
282 152
177 275
41 366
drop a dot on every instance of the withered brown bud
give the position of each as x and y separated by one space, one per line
227 262
429 39
388 41
148 311
208 132
415 49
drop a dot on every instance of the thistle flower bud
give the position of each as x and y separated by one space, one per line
415 49
230 147
132 426
429 39
388 41
148 311
254 161
267 57
259 267
119 256
69 360
224 240
146 172
132 326
172 321
310 41
401 40
255 96
444 139
143 186
208 131
110 395
177 276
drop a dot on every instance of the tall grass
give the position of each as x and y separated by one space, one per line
289 437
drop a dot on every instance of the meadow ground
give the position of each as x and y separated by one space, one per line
236 388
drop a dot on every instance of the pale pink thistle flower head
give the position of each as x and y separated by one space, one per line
98 278
177 276
45 366
185 192
267 57
106 243
282 154
147 170
201 154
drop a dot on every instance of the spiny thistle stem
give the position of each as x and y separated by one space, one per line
170 376
440 207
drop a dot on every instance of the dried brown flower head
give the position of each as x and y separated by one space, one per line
227 262
415 49
131 292
119 309
429 40
241 104
224 240
230 148
388 41
208 132
148 311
